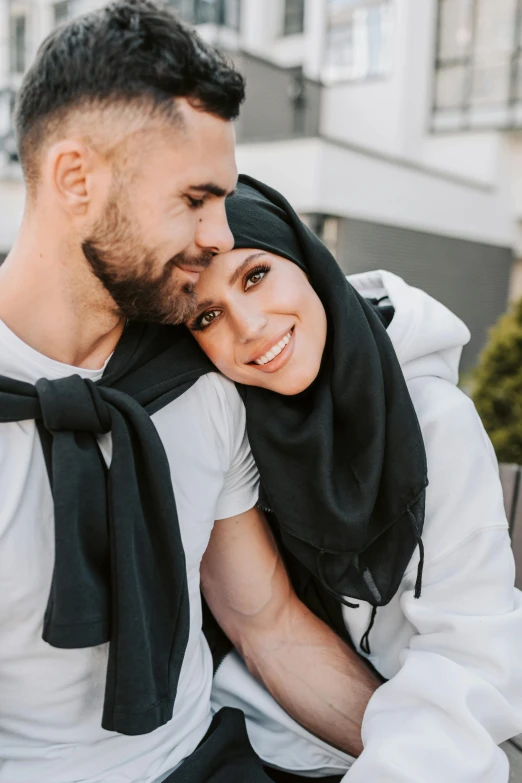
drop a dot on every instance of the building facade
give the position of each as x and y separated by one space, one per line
393 126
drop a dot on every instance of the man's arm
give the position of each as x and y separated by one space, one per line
320 681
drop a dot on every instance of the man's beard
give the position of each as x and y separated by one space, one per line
128 271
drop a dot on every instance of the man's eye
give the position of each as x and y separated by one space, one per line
195 203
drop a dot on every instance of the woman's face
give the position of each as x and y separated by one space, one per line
260 321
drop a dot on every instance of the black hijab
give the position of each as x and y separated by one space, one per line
342 464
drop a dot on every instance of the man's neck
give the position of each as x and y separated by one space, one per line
52 302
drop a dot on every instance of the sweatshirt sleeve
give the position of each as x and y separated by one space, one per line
458 691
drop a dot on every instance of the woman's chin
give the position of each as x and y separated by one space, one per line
288 381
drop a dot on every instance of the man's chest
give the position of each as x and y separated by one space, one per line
27 510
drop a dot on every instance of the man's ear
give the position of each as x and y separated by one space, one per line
72 173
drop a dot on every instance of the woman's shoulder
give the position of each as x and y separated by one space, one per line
464 495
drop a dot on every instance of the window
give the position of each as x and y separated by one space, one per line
358 39
219 12
18 42
455 25
493 45
60 12
293 22
478 57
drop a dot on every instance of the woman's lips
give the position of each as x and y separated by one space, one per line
281 359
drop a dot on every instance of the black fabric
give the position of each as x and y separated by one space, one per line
225 755
119 573
288 777
342 464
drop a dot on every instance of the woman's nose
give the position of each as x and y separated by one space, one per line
249 323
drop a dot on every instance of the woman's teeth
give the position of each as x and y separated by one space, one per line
275 351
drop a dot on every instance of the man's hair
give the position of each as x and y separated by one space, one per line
129 53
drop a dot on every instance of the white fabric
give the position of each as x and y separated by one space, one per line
453 657
50 699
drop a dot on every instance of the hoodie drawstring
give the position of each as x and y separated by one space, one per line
364 644
365 639
420 544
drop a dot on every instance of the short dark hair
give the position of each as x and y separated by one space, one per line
129 51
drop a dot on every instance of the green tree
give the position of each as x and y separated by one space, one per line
497 386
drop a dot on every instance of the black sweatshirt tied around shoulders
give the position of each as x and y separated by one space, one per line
119 574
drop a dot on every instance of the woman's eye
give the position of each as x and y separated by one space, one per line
207 318
254 278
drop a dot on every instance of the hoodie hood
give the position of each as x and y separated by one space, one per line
427 337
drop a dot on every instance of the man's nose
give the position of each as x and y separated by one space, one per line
213 232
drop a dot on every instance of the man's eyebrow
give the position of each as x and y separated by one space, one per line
212 189
236 274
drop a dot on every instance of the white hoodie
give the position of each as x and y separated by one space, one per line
453 658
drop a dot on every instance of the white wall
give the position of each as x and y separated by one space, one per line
363 114
368 112
260 25
473 155
12 198
320 177
513 144
262 34
415 51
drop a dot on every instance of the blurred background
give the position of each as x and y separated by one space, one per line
395 129
393 126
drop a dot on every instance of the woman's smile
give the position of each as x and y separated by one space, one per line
277 355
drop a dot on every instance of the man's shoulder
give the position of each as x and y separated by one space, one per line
221 393
212 406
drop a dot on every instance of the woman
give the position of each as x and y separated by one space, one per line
347 420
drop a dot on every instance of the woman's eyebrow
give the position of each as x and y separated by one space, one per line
236 274
202 306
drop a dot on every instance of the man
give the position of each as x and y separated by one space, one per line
125 137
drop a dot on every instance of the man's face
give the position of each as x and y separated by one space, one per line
165 217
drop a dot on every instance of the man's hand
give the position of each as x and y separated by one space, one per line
310 671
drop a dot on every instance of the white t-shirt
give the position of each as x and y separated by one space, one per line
51 699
